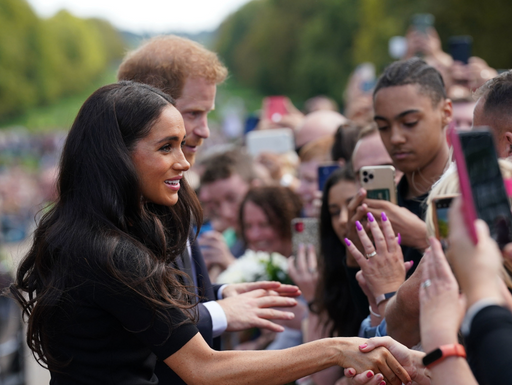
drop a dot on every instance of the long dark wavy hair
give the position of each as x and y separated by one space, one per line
100 221
333 293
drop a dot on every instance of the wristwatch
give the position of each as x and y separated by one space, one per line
438 355
383 297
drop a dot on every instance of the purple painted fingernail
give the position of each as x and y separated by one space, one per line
399 238
370 217
359 227
383 216
347 242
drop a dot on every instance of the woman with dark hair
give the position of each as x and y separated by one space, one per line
99 288
333 293
332 310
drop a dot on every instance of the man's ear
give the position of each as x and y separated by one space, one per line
447 110
507 137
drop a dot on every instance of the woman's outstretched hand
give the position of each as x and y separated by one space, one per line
383 264
376 360
409 359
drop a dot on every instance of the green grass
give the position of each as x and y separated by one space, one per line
60 115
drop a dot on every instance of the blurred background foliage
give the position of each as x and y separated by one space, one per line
300 48
303 48
42 60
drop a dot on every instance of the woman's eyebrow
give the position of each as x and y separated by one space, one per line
169 139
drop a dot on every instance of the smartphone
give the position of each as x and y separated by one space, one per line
305 231
275 107
324 172
440 207
422 22
366 75
379 182
460 48
278 141
481 184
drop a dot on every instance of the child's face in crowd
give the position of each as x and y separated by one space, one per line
259 233
411 127
339 197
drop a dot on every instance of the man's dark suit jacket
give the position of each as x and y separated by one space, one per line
207 292
489 346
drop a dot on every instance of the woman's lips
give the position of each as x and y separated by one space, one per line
174 183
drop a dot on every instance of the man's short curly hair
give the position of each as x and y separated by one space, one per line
166 61
497 94
413 71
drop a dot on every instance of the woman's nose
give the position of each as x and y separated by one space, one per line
181 163
343 217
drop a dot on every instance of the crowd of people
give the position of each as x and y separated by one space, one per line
125 279
28 167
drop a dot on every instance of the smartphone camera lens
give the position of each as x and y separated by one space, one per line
365 173
370 176
365 180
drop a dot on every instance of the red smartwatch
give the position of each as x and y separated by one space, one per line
441 353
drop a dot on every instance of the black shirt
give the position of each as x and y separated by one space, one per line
109 334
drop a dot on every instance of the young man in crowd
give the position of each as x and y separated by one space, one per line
190 73
411 111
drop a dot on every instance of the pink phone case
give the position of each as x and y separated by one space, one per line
469 210
275 107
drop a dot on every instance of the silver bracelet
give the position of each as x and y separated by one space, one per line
373 313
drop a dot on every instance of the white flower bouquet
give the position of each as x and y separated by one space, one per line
256 266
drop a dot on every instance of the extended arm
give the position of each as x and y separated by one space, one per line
280 366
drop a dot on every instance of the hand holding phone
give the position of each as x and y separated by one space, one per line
481 183
460 48
305 231
379 182
469 210
421 22
275 108
440 208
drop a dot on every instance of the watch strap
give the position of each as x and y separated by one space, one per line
441 353
383 297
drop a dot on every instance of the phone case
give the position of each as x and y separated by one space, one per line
305 231
379 182
277 141
469 210
324 172
275 108
440 206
